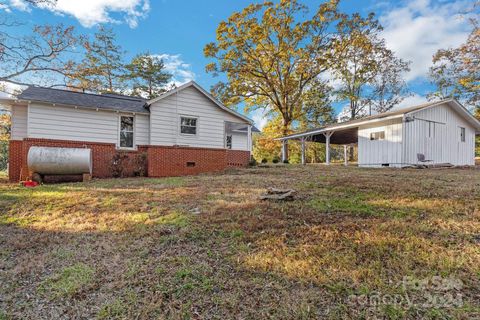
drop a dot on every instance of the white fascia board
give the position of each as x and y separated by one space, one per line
86 108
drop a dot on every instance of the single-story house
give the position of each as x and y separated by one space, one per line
434 133
184 131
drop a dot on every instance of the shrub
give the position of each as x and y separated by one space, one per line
3 155
285 161
118 164
275 160
140 165
264 160
252 162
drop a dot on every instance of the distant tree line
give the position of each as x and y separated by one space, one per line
277 60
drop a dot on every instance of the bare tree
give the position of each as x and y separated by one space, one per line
42 57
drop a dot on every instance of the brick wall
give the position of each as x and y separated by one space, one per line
15 153
102 156
166 161
237 158
158 161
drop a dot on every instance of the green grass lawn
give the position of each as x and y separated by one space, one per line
355 243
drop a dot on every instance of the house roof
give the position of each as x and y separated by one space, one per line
111 101
385 116
115 102
208 95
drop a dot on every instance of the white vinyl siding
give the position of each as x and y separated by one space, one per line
445 146
19 122
239 141
374 153
142 129
67 123
189 102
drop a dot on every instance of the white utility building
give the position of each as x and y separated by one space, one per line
434 133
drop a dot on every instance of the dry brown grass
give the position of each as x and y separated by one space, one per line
132 248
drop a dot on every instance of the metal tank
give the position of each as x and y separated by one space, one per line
57 161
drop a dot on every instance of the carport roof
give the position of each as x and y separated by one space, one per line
347 132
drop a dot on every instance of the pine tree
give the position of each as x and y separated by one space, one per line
102 68
148 76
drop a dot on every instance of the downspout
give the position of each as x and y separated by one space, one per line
177 123
404 144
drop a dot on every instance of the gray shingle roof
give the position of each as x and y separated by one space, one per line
88 100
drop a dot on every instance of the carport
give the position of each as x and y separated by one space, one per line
346 135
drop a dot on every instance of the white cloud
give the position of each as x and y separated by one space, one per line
259 117
180 70
92 12
9 90
19 5
418 28
411 101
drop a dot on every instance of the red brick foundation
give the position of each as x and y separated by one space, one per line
166 161
154 161
237 158
102 157
15 160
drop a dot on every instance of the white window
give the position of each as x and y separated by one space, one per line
229 142
462 134
188 125
379 135
126 131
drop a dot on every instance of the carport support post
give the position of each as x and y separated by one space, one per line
303 150
249 138
284 150
345 157
327 146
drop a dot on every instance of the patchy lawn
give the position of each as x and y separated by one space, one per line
357 243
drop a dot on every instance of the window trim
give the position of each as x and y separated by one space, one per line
197 126
463 134
134 146
379 132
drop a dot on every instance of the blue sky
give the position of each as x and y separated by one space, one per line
178 30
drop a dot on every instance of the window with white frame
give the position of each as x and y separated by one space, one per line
379 135
229 141
462 134
188 125
126 131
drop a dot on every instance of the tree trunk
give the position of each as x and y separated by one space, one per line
285 131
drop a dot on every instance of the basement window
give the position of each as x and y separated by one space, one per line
190 164
126 132
188 125
379 135
229 142
462 134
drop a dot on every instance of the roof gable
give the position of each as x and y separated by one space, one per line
205 93
458 107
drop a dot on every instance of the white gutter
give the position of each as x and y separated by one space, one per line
83 107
